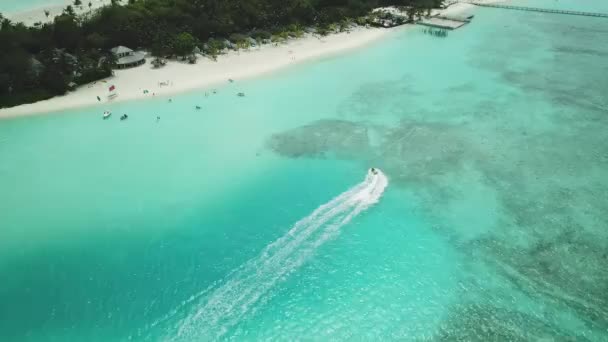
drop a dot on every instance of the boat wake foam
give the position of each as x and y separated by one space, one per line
246 288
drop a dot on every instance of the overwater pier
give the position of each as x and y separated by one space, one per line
544 10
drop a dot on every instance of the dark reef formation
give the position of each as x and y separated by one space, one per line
336 138
542 174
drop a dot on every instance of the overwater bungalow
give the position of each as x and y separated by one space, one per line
127 58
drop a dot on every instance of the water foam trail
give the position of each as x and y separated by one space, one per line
244 288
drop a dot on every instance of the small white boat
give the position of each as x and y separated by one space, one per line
106 114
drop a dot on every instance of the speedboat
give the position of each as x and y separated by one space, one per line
106 114
373 171
124 117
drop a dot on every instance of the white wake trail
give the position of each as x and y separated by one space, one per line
249 285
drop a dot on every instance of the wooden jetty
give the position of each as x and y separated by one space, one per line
462 18
544 10
441 23
450 22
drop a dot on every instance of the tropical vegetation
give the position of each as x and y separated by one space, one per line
44 60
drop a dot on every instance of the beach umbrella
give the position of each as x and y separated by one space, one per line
112 91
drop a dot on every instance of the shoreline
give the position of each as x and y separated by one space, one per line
182 77
144 82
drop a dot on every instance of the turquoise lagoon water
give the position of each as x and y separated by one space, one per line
492 226
10 6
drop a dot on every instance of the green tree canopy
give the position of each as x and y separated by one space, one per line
67 33
31 69
184 44
96 41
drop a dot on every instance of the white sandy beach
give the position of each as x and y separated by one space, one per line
181 76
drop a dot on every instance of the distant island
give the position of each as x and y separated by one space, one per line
43 60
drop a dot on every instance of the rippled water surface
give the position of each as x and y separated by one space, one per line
253 218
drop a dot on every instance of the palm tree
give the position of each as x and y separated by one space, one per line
242 45
4 22
295 30
90 5
411 13
47 13
276 39
419 13
344 24
108 61
69 10
323 30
